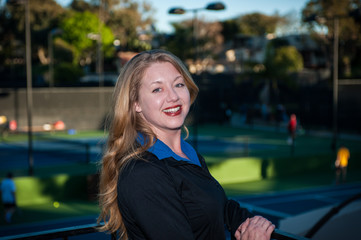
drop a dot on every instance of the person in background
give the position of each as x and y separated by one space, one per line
341 163
8 190
291 127
153 184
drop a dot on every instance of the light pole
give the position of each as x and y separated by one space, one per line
216 6
100 57
29 92
355 13
335 81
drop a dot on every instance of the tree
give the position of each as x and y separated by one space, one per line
82 6
258 24
44 16
254 24
207 42
80 30
281 61
322 13
131 23
129 20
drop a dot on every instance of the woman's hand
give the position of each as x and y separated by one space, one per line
256 228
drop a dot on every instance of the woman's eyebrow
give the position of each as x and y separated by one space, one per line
178 77
156 82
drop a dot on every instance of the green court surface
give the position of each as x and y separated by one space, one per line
264 164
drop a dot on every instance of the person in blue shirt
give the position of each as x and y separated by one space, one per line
8 196
153 184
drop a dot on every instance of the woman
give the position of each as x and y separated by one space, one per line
153 184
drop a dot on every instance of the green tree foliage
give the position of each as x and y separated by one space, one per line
82 6
127 20
258 24
207 42
281 60
44 16
130 22
81 30
321 13
254 24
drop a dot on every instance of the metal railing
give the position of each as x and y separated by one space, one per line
64 233
330 214
281 235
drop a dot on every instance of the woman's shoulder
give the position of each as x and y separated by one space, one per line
142 168
147 175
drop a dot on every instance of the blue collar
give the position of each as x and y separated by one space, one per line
162 151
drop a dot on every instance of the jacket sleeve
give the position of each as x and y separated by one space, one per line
150 204
235 215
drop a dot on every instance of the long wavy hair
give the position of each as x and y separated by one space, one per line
124 126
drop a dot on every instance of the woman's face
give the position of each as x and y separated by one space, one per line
164 99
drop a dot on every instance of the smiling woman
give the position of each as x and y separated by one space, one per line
164 99
153 184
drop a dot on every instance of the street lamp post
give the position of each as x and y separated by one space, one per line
355 13
322 20
29 93
216 6
100 57
335 81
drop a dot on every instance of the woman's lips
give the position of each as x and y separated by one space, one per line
173 111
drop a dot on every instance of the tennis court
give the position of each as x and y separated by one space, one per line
219 145
223 142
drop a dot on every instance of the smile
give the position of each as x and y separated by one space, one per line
172 110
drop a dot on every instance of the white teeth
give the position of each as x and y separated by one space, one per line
171 110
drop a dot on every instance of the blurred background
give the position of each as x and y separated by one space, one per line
255 62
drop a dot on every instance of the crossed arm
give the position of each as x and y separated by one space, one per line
254 228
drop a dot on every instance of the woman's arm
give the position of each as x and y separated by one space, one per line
255 228
234 216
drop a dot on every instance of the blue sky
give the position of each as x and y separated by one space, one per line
233 9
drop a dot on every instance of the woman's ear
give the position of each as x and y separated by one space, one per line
137 107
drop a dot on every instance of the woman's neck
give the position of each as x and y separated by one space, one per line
173 140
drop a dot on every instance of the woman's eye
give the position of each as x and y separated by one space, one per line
156 90
180 85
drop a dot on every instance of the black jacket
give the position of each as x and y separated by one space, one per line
171 199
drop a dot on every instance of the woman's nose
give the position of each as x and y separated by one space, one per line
172 95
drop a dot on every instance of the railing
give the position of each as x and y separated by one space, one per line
64 233
281 235
330 214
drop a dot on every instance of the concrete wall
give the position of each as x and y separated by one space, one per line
78 108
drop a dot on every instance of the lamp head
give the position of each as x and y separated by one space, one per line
176 11
216 6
